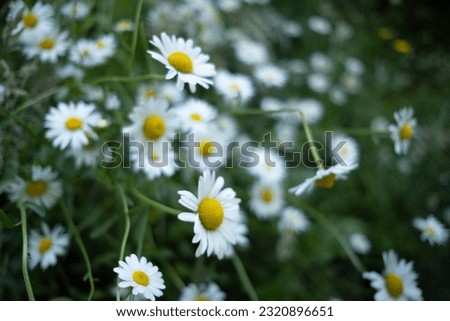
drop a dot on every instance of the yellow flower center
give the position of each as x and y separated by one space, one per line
154 127
30 20
267 195
85 53
36 188
45 245
394 285
385 33
47 43
406 132
201 298
181 62
430 231
141 278
206 147
100 44
149 93
210 212
327 181
74 123
234 88
402 46
196 117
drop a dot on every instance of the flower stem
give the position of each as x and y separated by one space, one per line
83 250
243 276
26 276
126 231
126 78
155 204
35 100
310 139
321 219
137 19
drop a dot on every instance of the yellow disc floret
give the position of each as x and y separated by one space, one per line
406 132
47 44
181 62
141 278
211 213
36 188
327 181
267 195
30 20
45 245
394 285
74 123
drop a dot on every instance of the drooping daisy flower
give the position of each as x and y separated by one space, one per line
432 230
215 214
46 247
202 292
144 277
195 114
324 178
43 189
344 149
48 45
403 131
234 87
359 243
152 122
293 220
398 281
183 60
71 124
271 75
266 199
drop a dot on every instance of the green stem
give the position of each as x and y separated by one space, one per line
82 248
321 219
243 276
137 18
125 232
26 276
256 112
173 275
127 78
155 204
35 100
310 139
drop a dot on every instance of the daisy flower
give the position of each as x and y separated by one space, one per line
144 277
324 178
344 149
105 46
271 75
43 189
71 124
215 214
318 82
202 292
75 10
293 220
403 131
320 62
46 247
432 230
86 54
398 281
183 60
251 52
264 164
359 243
195 114
152 122
48 46
234 87
312 109
124 25
319 25
266 199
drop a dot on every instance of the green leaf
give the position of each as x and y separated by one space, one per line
6 220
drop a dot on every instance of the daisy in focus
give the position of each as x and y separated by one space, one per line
202 292
46 247
71 124
403 131
397 282
142 276
183 61
324 178
215 214
432 230
43 189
